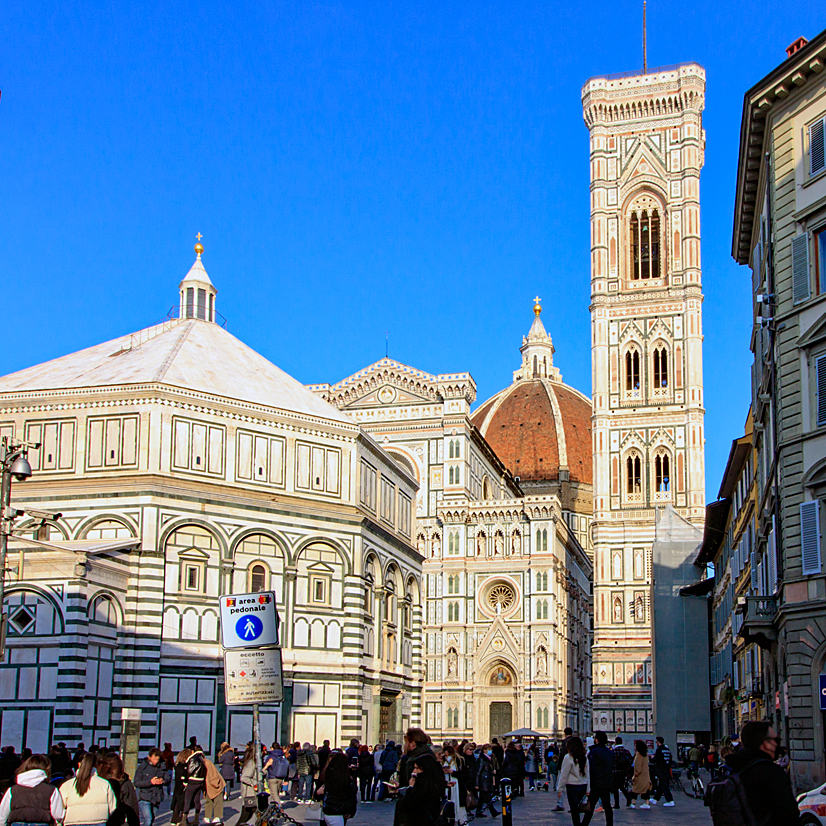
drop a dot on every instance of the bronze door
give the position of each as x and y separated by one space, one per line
501 716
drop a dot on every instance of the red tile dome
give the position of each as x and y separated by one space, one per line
538 427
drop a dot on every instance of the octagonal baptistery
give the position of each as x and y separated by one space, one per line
541 430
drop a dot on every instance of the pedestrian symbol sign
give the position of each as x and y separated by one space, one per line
249 620
249 628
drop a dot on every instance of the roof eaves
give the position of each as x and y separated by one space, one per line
757 103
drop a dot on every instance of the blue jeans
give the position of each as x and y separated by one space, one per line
305 786
147 809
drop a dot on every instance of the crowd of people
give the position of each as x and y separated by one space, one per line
428 784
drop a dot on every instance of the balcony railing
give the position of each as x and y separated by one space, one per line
758 615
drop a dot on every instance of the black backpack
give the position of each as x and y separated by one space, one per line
727 801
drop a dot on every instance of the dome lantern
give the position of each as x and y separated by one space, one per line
197 292
537 351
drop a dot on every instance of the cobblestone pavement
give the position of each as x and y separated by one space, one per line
531 810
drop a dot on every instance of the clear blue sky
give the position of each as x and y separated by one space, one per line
354 168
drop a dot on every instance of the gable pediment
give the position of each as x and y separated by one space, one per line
814 335
643 163
386 394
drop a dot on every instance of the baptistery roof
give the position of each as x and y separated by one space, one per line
538 426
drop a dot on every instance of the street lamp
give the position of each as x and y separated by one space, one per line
14 464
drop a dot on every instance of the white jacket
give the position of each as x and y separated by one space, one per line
570 775
94 807
31 779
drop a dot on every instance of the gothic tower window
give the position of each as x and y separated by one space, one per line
662 474
644 241
632 372
660 368
633 475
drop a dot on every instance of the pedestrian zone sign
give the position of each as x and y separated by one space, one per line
253 676
249 620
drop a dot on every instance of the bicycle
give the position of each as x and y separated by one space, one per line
698 790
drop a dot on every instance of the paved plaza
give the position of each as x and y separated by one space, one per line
531 810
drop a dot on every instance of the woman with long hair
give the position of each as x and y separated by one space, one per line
89 800
110 767
226 766
249 785
32 796
179 787
365 773
641 784
456 790
339 798
574 777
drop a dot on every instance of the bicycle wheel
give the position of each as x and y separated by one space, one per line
701 789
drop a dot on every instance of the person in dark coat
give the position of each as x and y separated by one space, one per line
420 803
9 764
600 772
365 772
662 771
149 783
623 762
468 774
485 781
226 766
510 765
110 768
767 785
179 788
340 799
417 748
389 764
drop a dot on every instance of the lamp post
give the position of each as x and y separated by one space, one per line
14 465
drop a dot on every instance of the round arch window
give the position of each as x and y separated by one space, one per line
258 578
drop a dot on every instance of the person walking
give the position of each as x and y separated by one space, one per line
563 750
378 752
194 780
767 786
485 781
365 773
510 766
32 800
168 757
179 781
88 799
623 763
110 768
662 771
453 766
249 785
641 783
600 774
149 783
304 767
468 772
214 786
531 768
276 768
574 777
389 764
339 798
226 766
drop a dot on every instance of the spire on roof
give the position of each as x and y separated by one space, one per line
197 291
537 351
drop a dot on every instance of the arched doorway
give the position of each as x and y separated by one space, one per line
500 690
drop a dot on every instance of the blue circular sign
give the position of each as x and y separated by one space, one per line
249 628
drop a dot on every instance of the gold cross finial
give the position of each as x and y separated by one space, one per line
537 306
199 247
199 236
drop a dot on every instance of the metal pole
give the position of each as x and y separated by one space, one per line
506 793
259 765
5 504
644 40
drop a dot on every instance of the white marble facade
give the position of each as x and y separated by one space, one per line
186 465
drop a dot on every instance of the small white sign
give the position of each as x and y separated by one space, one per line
249 620
253 676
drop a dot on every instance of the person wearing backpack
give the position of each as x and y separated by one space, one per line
389 762
276 767
752 790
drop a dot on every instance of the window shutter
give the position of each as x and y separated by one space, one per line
753 565
800 267
771 560
810 537
816 153
820 370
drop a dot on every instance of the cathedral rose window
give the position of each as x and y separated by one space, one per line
501 597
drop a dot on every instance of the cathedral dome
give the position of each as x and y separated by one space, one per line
539 427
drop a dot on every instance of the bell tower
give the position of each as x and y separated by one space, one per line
647 143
